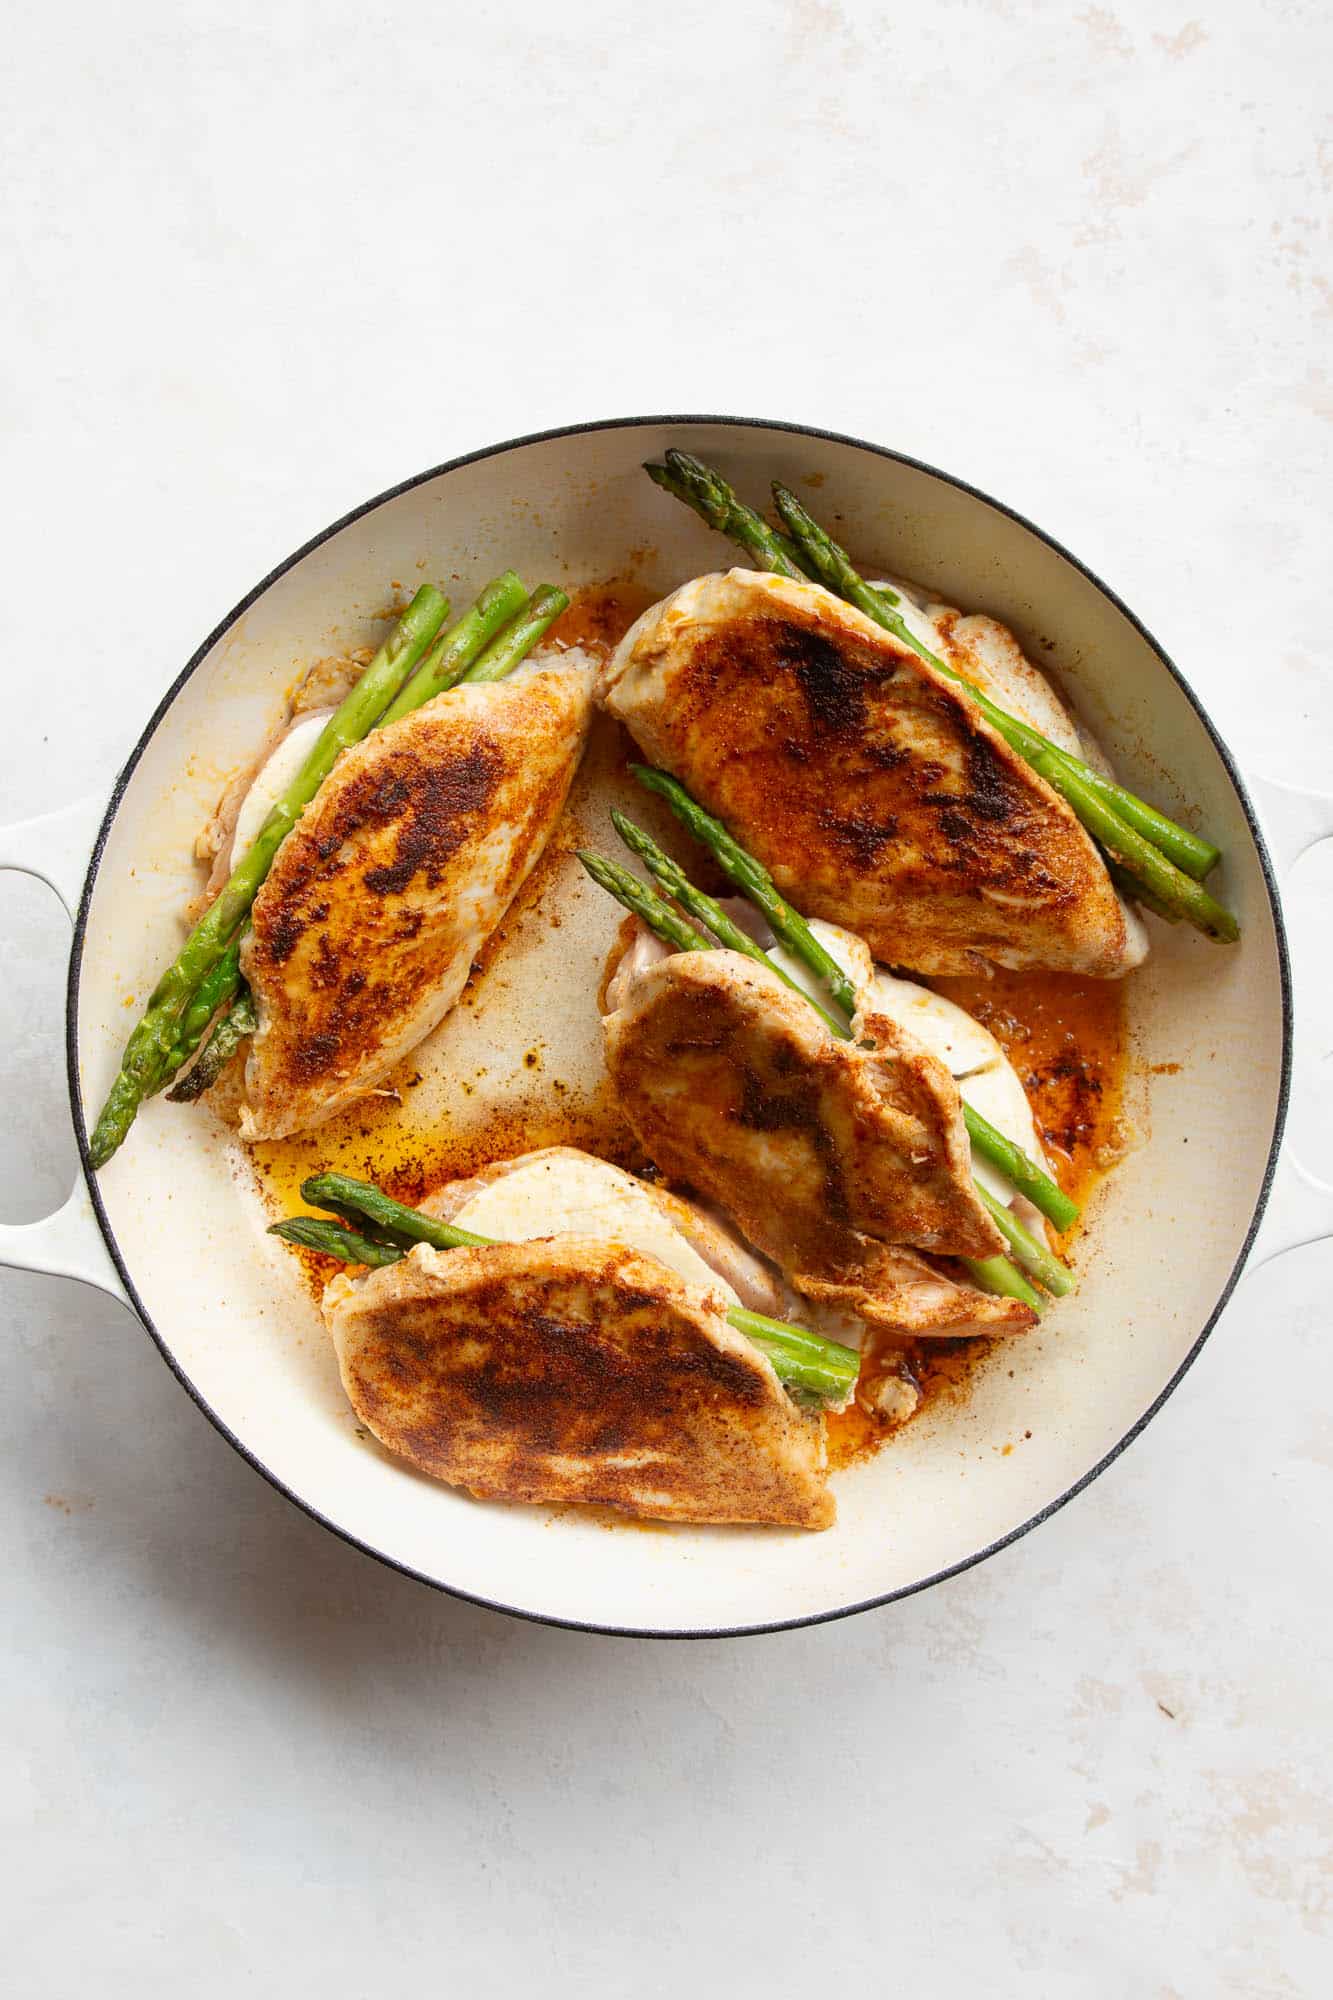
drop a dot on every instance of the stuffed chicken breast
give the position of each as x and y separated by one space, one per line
838 1161
586 1356
865 780
377 903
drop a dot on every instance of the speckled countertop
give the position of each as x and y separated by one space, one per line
262 263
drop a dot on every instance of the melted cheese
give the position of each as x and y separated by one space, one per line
273 778
584 1197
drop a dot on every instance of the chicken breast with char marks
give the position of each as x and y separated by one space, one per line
865 780
572 1369
822 1150
378 901
892 1290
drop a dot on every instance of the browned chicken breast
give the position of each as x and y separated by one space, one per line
898 1291
831 1157
865 780
572 1369
397 872
733 1083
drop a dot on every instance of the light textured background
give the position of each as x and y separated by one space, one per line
263 261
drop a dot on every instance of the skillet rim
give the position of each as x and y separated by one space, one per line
116 799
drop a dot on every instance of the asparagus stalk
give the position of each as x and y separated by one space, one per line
1030 1179
458 649
1083 790
662 919
1030 1254
800 1358
753 880
148 1051
504 652
710 496
239 1021
678 884
332 1239
1005 1280
788 924
649 907
219 989
347 1196
1134 892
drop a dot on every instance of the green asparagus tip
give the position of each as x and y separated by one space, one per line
312 1232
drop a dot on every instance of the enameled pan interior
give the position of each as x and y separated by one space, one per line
1164 1235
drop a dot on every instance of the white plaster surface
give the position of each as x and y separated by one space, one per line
261 262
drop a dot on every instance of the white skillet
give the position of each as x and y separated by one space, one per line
175 1227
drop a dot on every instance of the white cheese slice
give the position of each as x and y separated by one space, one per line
985 1077
914 618
273 778
1001 1099
844 947
947 1030
584 1197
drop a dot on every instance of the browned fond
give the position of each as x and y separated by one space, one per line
570 1369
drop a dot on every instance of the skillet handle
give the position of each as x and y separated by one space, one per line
67 1244
1300 1206
55 847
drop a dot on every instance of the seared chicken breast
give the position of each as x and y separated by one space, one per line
865 780
573 1369
986 1079
733 1083
864 1287
378 901
893 1290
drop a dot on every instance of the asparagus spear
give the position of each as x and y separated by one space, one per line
148 1050
1082 789
791 927
1005 1280
219 989
1030 1179
1134 892
239 1021
1028 1252
460 647
710 496
800 1358
504 652
635 895
348 1196
331 1239
753 880
678 884
662 919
